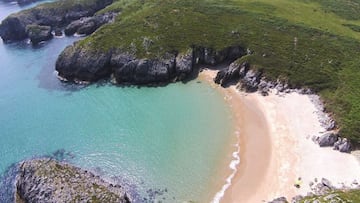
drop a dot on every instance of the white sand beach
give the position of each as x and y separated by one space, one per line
276 146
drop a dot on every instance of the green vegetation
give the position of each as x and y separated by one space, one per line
305 43
337 196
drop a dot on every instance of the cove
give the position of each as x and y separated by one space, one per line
173 140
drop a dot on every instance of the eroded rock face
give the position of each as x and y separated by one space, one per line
47 180
83 65
76 63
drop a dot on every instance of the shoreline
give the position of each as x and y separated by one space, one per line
276 146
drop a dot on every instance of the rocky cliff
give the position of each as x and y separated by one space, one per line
52 15
77 63
47 180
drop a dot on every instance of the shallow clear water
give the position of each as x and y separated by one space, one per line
169 138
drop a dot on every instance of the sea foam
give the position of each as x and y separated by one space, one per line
233 166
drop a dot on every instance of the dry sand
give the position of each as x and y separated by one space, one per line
276 146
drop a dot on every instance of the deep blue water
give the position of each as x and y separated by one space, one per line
169 138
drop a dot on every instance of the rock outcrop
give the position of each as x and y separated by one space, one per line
55 15
327 139
88 25
47 180
83 65
333 140
38 33
77 63
249 80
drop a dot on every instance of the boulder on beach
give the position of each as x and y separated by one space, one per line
328 139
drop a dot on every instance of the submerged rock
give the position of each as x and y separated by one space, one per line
47 180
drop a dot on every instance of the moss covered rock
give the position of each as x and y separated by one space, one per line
47 180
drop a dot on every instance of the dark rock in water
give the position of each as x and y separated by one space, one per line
38 33
46 180
13 28
328 139
279 200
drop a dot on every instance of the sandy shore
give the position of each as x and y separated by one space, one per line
276 146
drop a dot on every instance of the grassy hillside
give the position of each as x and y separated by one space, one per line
306 43
337 196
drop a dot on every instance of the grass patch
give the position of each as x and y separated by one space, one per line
339 196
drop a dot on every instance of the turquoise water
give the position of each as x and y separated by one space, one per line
170 139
